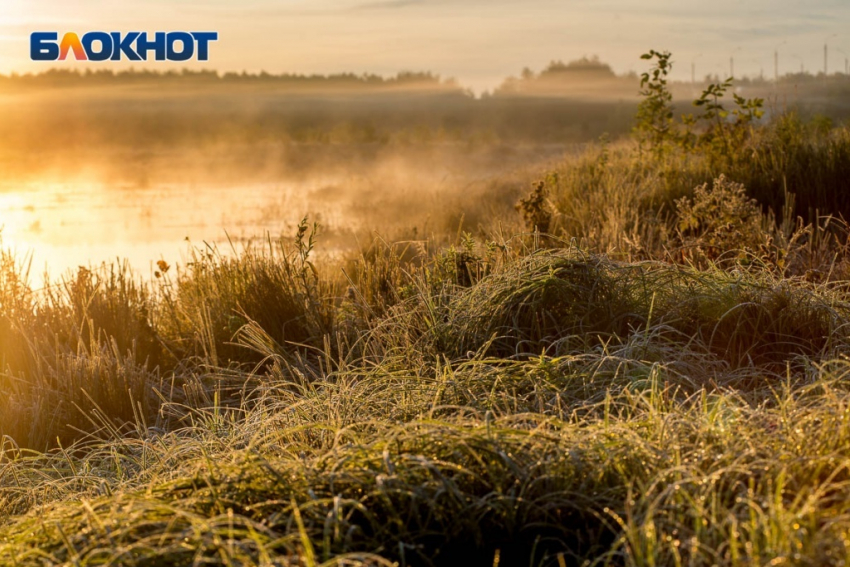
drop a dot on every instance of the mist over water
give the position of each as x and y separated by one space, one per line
58 226
141 166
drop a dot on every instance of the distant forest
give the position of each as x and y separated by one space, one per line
565 103
557 77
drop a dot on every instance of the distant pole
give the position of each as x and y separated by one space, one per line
776 61
825 54
776 66
732 62
694 69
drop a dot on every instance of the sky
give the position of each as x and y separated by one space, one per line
477 42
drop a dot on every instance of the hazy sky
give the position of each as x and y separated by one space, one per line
478 42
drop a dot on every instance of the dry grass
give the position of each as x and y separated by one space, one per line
663 380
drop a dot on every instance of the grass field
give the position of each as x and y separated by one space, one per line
644 364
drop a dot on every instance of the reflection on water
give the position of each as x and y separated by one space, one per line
96 214
63 226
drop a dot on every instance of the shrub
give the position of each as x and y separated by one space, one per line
719 219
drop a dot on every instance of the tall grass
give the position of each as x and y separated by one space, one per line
616 200
660 380
279 289
75 357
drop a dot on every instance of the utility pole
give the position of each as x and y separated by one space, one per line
694 69
825 67
760 67
732 63
825 54
776 66
776 61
